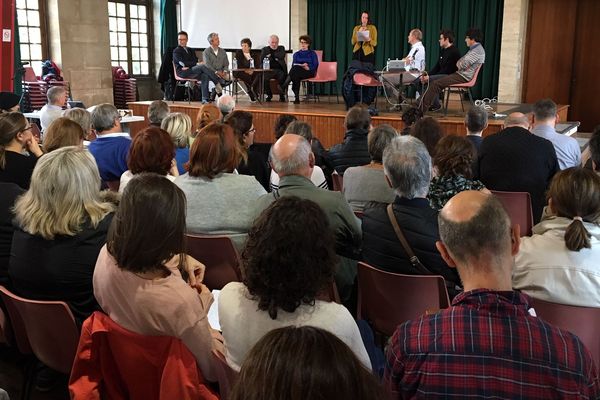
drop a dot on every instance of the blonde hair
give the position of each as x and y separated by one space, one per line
64 195
179 126
82 116
63 132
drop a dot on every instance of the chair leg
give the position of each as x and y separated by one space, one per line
470 95
337 94
446 102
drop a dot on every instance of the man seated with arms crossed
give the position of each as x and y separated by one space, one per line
216 60
276 55
467 65
187 66
489 343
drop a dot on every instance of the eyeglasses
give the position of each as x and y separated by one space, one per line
252 130
303 42
27 128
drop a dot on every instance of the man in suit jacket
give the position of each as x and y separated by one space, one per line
276 55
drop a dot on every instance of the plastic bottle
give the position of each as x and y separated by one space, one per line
251 62
266 64
234 63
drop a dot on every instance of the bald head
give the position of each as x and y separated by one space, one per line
292 155
517 119
464 206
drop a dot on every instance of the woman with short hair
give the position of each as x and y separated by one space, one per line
63 132
243 58
179 126
288 262
19 149
304 66
84 118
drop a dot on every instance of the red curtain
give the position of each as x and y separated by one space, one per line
7 53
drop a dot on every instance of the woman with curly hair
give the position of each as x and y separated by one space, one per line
453 158
288 261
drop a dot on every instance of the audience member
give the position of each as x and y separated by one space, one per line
111 147
61 224
367 183
57 99
545 117
9 102
304 66
281 124
63 132
476 121
594 146
157 111
354 150
179 126
152 150
407 168
301 363
10 192
514 160
84 119
429 131
559 263
364 49
16 165
517 354
409 118
285 272
253 162
215 58
454 156
208 114
226 104
303 129
137 280
246 60
220 202
292 159
277 64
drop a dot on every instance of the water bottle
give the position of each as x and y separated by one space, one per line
234 63
266 64
251 62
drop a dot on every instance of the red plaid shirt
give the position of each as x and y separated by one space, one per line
488 346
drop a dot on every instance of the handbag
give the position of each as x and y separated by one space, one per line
414 260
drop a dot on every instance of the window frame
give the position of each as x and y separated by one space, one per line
44 42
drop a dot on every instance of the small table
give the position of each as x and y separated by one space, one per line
262 72
398 79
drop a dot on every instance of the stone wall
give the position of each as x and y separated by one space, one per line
512 51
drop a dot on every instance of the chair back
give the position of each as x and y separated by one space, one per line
319 55
361 79
387 299
326 72
179 78
338 182
29 75
49 327
226 375
220 257
470 83
15 322
518 207
584 322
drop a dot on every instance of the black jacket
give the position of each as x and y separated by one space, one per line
382 249
277 55
352 152
185 55
446 64
10 192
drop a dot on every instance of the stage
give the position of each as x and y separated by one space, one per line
327 118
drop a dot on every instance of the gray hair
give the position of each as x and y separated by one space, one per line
357 117
379 138
476 119
407 164
211 36
226 104
544 109
300 128
104 116
274 36
54 92
296 161
81 116
179 126
157 111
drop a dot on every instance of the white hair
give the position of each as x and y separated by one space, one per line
226 104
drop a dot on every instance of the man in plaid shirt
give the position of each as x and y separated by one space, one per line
489 344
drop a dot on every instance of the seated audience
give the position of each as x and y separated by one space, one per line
57 99
246 60
545 118
293 160
304 66
10 193
354 150
179 126
407 167
19 149
253 162
559 263
226 104
301 363
453 159
428 131
367 183
594 146
514 160
157 111
277 64
152 150
111 147
84 119
476 121
285 271
9 102
281 124
220 202
208 114
61 224
63 132
409 118
137 279
488 344
302 129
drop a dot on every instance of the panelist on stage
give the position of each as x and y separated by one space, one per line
216 60
245 59
276 56
364 40
305 64
416 55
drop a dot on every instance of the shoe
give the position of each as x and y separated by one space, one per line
268 99
213 95
252 95
296 101
282 98
435 108
219 89
204 101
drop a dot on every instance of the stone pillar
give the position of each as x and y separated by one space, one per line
79 44
298 22
512 53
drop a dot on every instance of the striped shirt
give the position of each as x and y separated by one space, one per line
468 63
487 345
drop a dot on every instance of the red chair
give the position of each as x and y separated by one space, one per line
518 207
319 55
338 182
226 375
220 257
386 299
326 72
459 87
581 321
363 80
113 186
188 83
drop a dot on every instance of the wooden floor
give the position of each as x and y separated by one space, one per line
327 117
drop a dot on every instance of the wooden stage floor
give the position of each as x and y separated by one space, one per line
327 119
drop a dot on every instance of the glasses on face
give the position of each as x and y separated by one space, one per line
27 128
252 130
303 42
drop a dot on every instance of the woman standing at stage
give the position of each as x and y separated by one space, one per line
364 47
304 66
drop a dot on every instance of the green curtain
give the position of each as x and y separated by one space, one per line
168 25
330 24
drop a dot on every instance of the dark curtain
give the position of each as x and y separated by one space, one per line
330 24
168 25
18 87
